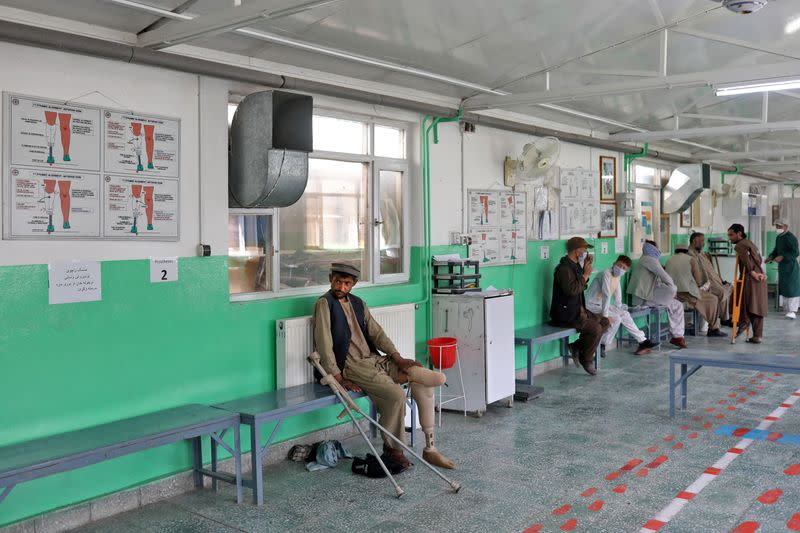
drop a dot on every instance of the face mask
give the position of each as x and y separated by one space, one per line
782 230
616 271
582 258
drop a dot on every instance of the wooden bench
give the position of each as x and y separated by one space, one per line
259 409
45 456
691 361
536 336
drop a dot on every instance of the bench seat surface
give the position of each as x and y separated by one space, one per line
711 358
291 400
544 332
109 439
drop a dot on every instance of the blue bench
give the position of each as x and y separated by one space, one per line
690 361
536 336
259 409
46 456
653 316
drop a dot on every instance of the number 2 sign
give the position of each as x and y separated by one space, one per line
163 269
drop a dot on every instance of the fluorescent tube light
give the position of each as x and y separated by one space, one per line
759 87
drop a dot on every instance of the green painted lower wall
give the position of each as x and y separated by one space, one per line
146 347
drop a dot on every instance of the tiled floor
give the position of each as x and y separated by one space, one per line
528 466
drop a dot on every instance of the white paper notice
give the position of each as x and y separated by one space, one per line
483 209
74 282
54 203
140 207
163 269
604 248
62 136
485 246
513 246
140 144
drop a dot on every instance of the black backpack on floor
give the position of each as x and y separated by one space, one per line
370 466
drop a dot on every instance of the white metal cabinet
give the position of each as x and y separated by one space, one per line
483 324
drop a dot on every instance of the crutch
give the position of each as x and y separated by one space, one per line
738 295
350 406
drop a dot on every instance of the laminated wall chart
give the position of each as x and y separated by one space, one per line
498 227
580 202
76 171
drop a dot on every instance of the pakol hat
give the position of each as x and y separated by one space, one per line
345 268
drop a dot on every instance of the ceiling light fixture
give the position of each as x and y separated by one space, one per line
758 87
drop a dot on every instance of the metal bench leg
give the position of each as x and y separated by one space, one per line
237 461
671 388
684 379
197 459
214 464
5 492
530 362
255 463
373 412
564 343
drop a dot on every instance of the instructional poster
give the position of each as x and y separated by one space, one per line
141 145
498 227
54 203
580 202
136 207
54 135
55 154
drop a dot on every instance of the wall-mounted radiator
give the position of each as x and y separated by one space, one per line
294 341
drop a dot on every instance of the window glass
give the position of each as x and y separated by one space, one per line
250 253
645 175
389 142
390 183
339 135
327 224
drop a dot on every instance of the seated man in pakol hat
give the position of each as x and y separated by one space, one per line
349 342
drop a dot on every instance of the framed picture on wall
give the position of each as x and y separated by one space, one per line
608 221
686 218
608 179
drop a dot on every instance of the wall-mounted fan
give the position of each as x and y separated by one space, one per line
536 160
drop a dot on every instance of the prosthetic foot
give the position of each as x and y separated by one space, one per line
436 458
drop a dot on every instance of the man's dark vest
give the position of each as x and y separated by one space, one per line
565 309
340 329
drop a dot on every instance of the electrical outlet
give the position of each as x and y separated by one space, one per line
466 240
604 248
544 252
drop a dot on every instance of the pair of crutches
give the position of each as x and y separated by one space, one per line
738 297
350 406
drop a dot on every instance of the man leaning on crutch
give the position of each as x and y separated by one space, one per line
347 339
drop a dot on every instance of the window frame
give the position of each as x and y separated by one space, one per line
372 192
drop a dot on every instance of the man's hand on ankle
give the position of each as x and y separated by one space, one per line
346 383
404 364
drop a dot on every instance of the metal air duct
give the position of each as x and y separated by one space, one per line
684 186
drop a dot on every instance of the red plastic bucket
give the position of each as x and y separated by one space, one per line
443 352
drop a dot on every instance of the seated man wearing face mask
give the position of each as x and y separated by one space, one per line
651 285
568 307
693 288
605 299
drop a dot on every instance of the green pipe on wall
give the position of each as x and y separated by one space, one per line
630 158
727 173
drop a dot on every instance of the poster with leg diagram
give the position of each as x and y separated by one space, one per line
75 171
498 226
142 145
140 207
580 202
54 135
54 204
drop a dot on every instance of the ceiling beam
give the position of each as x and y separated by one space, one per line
736 42
612 72
773 165
734 156
724 118
707 78
224 20
715 131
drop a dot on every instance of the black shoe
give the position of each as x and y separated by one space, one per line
727 323
590 369
602 350
646 346
716 333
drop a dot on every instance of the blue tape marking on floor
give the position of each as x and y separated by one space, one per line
758 434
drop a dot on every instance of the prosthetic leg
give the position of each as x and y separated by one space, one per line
738 295
350 406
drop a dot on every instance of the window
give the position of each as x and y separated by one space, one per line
648 182
353 209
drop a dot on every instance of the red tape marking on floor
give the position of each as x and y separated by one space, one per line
658 461
588 492
630 465
561 511
596 505
652 449
774 435
642 472
747 527
711 473
771 496
735 450
684 428
683 495
569 525
731 408
708 425
678 446
738 432
732 395
741 400
535 528
620 489
692 435
720 416
669 438
794 522
612 476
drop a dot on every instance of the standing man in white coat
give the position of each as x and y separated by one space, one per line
652 286
605 299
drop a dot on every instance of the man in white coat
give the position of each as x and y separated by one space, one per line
605 299
652 286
